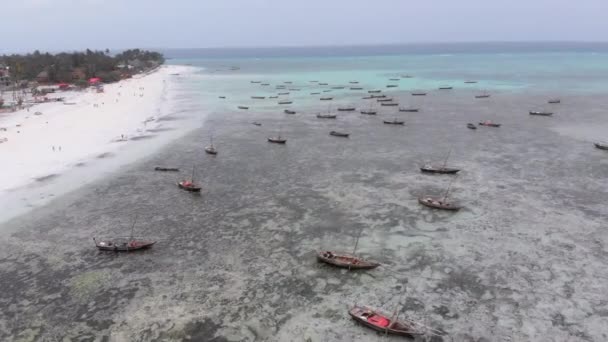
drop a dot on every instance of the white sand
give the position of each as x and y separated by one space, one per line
65 136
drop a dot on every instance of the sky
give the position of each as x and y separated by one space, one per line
55 25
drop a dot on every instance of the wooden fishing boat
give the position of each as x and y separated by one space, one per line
273 97
445 88
323 84
338 87
256 123
327 91
277 140
339 134
222 97
438 203
389 104
439 169
265 84
374 91
313 81
367 97
327 98
406 76
409 110
294 89
287 111
356 88
601 145
470 82
482 96
288 82
354 82
471 126
166 169
394 79
369 112
285 102
119 244
256 81
326 116
391 86
315 93
394 122
383 323
211 149
378 96
345 261
384 99
283 94
243 107
489 124
554 101
258 97
540 113
280 87
419 94
346 109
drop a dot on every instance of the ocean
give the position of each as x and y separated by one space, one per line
524 260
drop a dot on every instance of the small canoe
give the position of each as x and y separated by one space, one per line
123 244
345 261
258 97
327 98
489 124
277 140
243 107
439 169
339 134
374 91
437 203
188 186
418 94
409 110
166 169
484 96
389 104
534 112
285 102
445 88
601 146
369 112
394 122
554 101
346 109
287 111
383 322
211 150
326 116
471 126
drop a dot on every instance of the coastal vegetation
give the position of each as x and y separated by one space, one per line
77 67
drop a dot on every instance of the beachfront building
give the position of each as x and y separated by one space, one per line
42 77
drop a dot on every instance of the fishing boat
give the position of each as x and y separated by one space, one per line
601 145
385 323
440 202
323 84
482 96
369 112
189 185
313 81
278 139
273 97
123 244
374 91
243 107
327 91
391 86
339 134
384 99
280 87
409 110
315 93
378 96
285 102
327 98
283 93
470 82
166 169
394 79
338 87
258 97
256 123
346 109
443 169
287 111
356 88
540 113
288 82
326 116
488 123
256 82
554 101
389 104
354 82
222 97
445 88
294 89
471 126
394 122
406 76
210 149
419 94
265 84
344 260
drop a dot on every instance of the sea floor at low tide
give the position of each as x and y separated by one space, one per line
523 261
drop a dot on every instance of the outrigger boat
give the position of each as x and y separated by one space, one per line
189 185
123 244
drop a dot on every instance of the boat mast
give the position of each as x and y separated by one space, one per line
356 244
133 226
445 162
448 190
192 176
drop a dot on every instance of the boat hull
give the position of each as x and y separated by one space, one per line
381 322
394 122
541 113
166 169
601 146
189 188
437 204
339 134
277 140
210 150
440 170
109 246
345 261
489 124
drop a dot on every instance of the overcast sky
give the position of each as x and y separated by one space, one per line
75 24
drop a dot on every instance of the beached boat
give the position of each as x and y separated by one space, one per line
419 94
409 110
345 261
445 88
123 244
326 116
384 323
389 104
327 98
394 122
489 124
554 101
346 109
287 111
256 123
391 86
285 102
166 169
471 126
540 113
339 134
374 91
210 149
258 97
601 145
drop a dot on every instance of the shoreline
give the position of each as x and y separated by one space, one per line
69 146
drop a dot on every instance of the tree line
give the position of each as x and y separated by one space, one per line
80 66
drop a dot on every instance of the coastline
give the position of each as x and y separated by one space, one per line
64 147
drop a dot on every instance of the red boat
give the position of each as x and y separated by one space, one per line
345 261
382 323
489 124
189 186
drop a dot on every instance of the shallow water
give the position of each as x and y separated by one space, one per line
523 261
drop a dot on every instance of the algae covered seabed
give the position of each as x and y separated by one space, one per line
523 261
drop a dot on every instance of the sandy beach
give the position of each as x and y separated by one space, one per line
47 140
